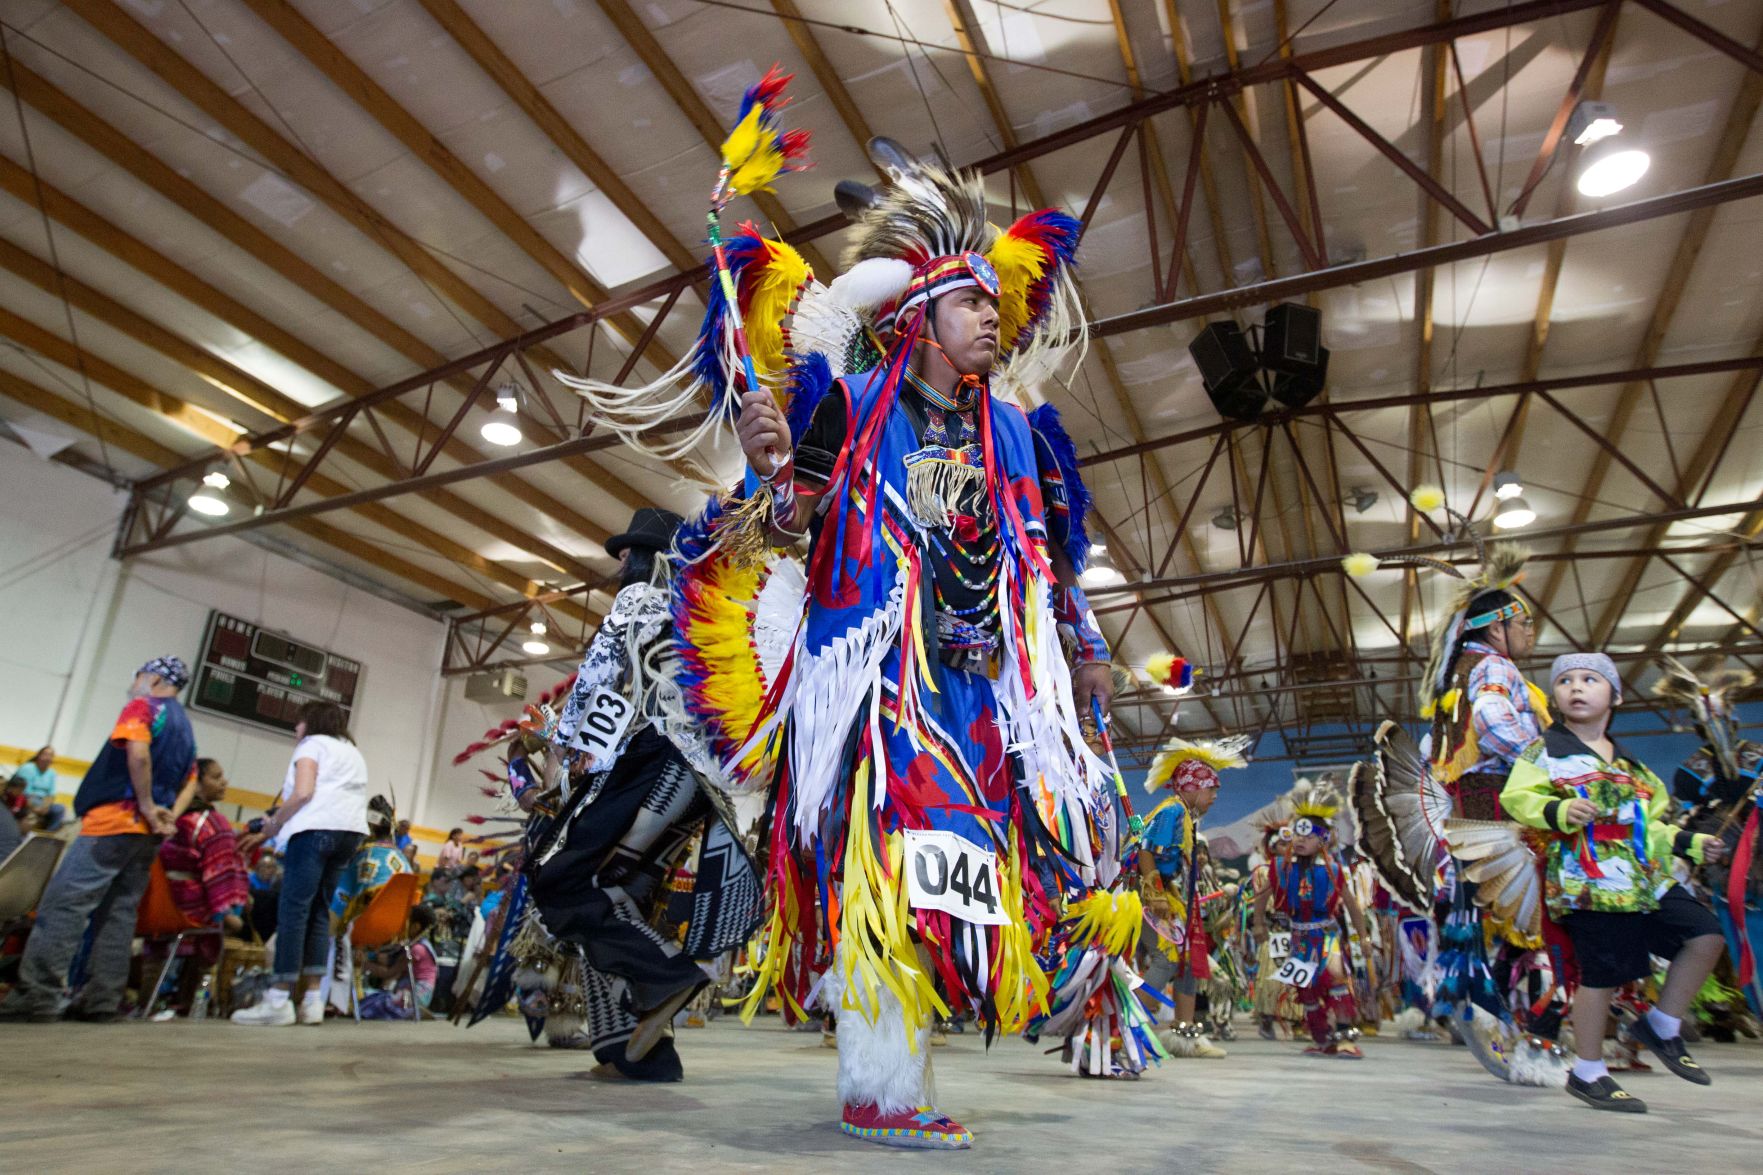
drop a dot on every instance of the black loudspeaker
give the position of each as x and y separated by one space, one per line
1292 350
1228 367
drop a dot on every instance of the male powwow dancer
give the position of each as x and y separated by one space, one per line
922 732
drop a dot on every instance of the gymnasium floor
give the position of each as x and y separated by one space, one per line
430 1097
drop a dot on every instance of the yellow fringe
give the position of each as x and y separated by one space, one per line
1108 920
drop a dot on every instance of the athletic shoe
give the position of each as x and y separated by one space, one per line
312 1008
267 1015
921 1128
1605 1094
1671 1052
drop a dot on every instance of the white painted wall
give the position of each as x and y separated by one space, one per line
78 624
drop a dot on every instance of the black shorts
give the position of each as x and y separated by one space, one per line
1614 949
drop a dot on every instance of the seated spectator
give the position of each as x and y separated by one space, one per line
376 862
452 927
390 968
207 875
11 835
406 843
38 775
452 854
266 892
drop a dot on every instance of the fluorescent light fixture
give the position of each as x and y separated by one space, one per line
216 480
1514 513
535 648
1507 485
501 432
213 505
1610 170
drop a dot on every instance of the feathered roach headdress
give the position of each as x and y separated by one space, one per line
1197 764
1501 566
1710 703
1315 804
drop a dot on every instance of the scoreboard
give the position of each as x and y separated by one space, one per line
263 678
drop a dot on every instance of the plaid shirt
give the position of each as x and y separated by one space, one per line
1505 722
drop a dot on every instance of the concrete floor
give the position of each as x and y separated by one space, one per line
431 1097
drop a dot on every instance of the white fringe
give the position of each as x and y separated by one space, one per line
879 1063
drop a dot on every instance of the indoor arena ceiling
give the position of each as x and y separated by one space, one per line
291 242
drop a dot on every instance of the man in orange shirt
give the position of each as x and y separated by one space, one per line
130 798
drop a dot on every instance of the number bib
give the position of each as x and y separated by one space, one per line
605 718
950 873
1298 972
1279 945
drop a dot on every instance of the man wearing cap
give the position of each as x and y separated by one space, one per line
130 798
632 806
1609 882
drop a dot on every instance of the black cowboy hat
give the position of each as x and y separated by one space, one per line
650 527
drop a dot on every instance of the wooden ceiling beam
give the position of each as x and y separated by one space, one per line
264 399
371 97
831 84
1154 144
278 258
636 34
1178 44
76 216
533 103
200 423
1241 103
1721 166
40 399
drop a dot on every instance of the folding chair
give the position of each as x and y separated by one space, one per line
383 923
158 919
24 875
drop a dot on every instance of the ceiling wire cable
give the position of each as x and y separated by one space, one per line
73 333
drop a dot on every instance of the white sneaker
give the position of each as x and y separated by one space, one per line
266 1015
312 1008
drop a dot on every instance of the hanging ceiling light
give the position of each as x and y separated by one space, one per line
1514 513
208 502
502 428
214 479
1227 518
1097 576
537 628
1507 485
1609 169
535 648
1592 122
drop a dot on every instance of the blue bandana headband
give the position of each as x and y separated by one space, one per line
1515 608
171 669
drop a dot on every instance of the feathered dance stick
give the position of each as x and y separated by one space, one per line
755 153
1133 822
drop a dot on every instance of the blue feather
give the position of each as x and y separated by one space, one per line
1047 425
811 377
707 364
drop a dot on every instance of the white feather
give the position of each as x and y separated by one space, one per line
868 284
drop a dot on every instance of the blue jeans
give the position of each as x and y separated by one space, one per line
100 882
311 869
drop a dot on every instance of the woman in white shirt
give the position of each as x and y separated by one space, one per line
317 828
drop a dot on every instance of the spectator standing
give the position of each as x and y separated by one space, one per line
317 828
39 789
452 854
129 799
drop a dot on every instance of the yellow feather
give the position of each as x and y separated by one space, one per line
744 140
1110 921
1019 265
773 295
